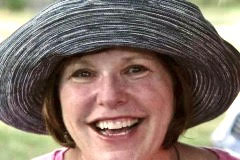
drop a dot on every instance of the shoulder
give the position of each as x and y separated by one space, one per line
222 155
199 153
55 155
190 152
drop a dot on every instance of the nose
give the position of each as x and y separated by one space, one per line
111 92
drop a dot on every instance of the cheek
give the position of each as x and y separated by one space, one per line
157 95
156 91
74 101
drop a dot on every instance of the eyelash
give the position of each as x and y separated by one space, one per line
136 69
132 71
83 73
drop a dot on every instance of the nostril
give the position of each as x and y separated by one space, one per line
111 92
111 98
112 101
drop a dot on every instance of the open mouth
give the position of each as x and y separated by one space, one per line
118 127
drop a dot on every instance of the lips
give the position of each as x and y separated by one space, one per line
116 127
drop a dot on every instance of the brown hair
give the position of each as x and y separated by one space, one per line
183 101
52 112
53 115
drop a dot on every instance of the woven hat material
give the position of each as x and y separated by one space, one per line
175 28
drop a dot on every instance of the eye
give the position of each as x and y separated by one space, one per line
136 70
83 75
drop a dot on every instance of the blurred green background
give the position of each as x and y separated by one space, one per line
18 145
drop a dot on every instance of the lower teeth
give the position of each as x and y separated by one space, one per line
116 132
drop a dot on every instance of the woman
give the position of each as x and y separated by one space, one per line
118 79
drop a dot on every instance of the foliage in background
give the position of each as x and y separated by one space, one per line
15 5
19 145
19 5
213 3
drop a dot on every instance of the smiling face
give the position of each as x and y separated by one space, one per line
116 104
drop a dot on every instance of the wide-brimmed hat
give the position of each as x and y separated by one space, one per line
175 28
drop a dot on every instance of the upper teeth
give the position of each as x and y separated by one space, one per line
116 124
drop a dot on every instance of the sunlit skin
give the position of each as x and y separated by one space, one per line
112 84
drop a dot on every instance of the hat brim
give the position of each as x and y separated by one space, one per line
66 28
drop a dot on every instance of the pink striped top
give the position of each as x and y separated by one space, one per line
55 155
59 154
222 155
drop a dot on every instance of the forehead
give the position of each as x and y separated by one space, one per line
124 54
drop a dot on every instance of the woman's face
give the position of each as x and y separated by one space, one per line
116 104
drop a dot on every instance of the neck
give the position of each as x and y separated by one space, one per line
166 154
73 153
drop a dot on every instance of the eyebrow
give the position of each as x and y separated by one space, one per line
127 59
82 61
78 62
